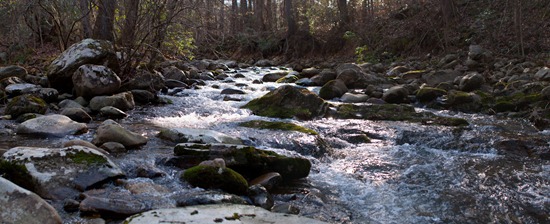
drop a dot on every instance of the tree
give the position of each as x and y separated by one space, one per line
104 24
289 17
131 8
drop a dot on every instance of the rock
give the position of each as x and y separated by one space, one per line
110 131
260 197
543 74
62 172
207 198
171 84
273 76
112 205
305 82
443 62
83 143
246 160
264 63
471 82
145 80
232 92
76 114
217 162
113 147
25 104
210 177
269 180
290 78
478 53
70 104
148 171
47 94
463 101
354 98
277 125
428 94
310 72
87 51
95 80
18 205
396 94
333 89
143 97
287 102
325 76
51 126
174 73
435 78
183 135
12 70
354 77
213 214
546 93
20 88
397 71
112 112
123 101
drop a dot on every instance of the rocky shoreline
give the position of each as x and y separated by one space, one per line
81 87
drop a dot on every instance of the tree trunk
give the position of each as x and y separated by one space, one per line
234 16
258 12
104 24
244 16
129 30
269 17
289 17
85 9
344 14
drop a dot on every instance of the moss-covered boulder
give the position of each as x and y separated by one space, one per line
516 102
288 102
428 94
463 101
290 78
274 125
333 89
25 104
210 177
247 160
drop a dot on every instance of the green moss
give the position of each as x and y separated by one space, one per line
259 107
277 126
17 173
216 178
287 79
81 157
427 94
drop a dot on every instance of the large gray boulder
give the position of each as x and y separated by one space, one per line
123 101
18 205
184 135
87 51
61 173
396 94
110 131
145 80
218 213
95 80
55 125
354 77
471 82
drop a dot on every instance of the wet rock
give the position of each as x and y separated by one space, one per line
471 82
61 172
77 114
110 131
305 82
354 98
70 205
149 171
273 76
112 205
123 101
88 144
269 180
18 205
12 70
183 135
55 125
287 102
171 83
20 88
463 101
275 125
149 188
397 70
260 197
264 63
72 104
174 73
217 213
290 78
113 147
47 94
210 177
87 51
145 80
354 77
232 92
207 198
543 74
246 160
95 80
396 94
322 78
333 89
427 94
143 97
112 112
25 104
435 78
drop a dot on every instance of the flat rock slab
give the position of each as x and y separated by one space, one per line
52 126
217 214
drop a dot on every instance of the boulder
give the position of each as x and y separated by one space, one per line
435 78
172 72
543 74
333 89
87 51
207 198
55 125
232 92
273 76
260 196
110 131
115 204
396 94
20 88
325 76
18 205
192 135
145 80
123 101
25 104
354 77
269 180
427 94
112 112
290 78
95 80
143 97
83 143
354 98
77 114
463 101
287 102
246 160
11 71
210 177
218 213
61 173
471 82
113 147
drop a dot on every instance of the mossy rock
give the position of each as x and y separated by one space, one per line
288 102
17 173
427 94
288 79
26 104
284 126
210 177
463 101
516 102
333 89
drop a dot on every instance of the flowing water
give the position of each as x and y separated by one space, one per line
408 173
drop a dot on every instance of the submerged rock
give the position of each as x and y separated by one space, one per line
111 131
193 135
52 126
18 205
62 172
217 214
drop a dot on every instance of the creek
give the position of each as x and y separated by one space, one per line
407 173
